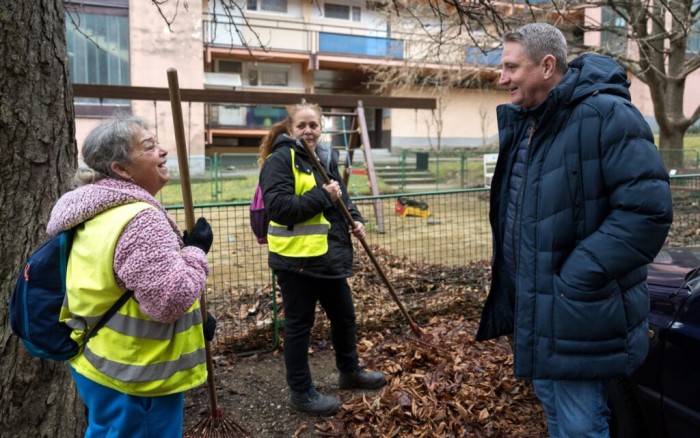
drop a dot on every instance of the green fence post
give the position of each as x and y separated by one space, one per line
216 177
437 171
404 153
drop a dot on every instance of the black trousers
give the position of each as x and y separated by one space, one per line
300 294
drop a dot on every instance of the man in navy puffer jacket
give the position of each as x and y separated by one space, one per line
580 204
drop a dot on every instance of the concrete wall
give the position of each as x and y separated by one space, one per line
468 119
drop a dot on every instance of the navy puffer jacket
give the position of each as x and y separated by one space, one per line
596 210
285 207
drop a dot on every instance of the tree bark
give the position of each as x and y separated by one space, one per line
39 157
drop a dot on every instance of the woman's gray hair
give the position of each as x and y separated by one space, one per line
540 40
109 142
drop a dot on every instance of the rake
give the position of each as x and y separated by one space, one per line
341 205
215 423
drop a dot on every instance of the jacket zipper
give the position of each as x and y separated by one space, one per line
522 186
516 220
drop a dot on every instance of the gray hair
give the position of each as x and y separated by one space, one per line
109 142
540 40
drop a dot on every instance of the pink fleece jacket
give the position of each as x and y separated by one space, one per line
149 257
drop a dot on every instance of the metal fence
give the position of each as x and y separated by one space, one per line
448 228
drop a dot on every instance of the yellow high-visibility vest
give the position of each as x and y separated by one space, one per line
131 353
305 239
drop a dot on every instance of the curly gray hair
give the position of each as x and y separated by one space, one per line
109 142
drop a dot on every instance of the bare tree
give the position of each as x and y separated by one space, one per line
657 34
650 38
485 118
38 160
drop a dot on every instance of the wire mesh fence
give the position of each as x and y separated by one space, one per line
447 229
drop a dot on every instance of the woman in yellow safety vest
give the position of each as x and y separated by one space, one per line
310 252
133 372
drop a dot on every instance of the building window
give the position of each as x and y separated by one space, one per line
268 77
267 5
97 41
224 66
613 36
274 78
342 12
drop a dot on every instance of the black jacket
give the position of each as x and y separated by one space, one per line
285 207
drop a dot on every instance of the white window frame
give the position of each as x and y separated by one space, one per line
259 6
262 69
354 12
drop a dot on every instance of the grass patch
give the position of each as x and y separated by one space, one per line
238 188
242 188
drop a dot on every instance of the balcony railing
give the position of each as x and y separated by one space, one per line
295 36
475 55
360 45
238 116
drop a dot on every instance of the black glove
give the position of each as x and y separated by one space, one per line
201 235
209 327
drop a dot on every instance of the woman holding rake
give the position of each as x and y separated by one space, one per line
311 254
132 374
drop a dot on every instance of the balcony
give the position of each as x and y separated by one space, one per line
475 55
242 116
222 81
360 45
295 39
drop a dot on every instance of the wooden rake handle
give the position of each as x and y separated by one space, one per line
183 164
344 209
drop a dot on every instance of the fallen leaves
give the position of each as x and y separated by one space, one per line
455 388
441 383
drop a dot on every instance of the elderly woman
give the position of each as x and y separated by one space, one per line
133 373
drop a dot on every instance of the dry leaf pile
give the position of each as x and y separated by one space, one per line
445 385
245 315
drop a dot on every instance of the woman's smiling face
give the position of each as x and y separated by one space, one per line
147 164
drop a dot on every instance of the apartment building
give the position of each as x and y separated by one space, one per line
263 46
286 46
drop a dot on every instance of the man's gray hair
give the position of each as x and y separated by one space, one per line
109 142
540 40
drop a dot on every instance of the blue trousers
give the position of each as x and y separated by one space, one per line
113 414
575 409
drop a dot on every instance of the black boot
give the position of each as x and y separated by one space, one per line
361 379
314 403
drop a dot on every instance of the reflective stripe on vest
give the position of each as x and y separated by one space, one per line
305 239
131 353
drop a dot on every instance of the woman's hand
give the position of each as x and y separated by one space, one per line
333 190
359 230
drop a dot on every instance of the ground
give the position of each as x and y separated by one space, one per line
449 386
442 384
253 392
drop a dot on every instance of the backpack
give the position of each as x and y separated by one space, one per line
259 222
37 298
258 217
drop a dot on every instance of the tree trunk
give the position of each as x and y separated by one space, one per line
37 139
671 147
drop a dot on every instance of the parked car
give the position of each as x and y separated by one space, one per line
662 398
